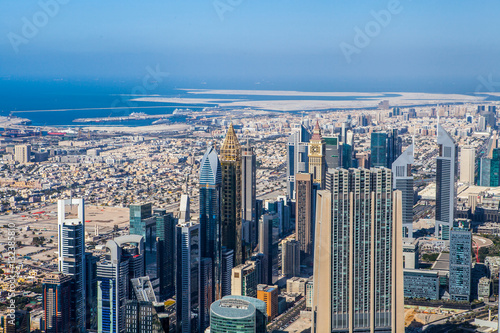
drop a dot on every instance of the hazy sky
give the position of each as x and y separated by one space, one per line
424 45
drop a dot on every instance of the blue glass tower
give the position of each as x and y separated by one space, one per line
210 219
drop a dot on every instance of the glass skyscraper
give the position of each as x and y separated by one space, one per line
210 219
446 170
297 159
71 254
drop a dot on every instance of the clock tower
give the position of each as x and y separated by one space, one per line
317 157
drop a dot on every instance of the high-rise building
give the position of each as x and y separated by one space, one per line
467 165
244 279
140 219
269 294
210 218
140 312
71 253
385 148
226 267
394 147
317 165
332 152
378 149
446 167
231 195
165 232
91 290
248 194
206 293
358 270
143 223
304 212
57 303
403 181
290 258
185 209
121 262
238 314
265 246
187 281
297 160
22 153
489 166
460 262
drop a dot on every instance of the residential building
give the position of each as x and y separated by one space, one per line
358 277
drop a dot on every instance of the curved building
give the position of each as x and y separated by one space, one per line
233 315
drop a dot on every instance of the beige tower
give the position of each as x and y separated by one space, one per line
317 157
467 165
358 257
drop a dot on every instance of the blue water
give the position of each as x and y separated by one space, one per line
92 98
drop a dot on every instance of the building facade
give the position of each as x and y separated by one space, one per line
297 160
210 215
231 195
358 278
446 167
71 253
248 194
403 181
290 258
317 164
57 303
304 212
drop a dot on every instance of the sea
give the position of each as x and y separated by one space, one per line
58 102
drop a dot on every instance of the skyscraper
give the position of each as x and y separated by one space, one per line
226 267
140 313
403 181
378 147
297 159
143 223
71 253
317 165
467 165
358 264
269 294
187 281
165 231
57 303
385 148
120 262
248 194
304 212
290 258
210 218
91 290
332 152
446 167
244 279
265 246
206 293
460 262
231 195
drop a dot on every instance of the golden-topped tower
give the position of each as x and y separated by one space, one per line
317 157
231 227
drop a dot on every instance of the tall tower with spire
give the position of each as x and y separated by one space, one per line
231 195
317 156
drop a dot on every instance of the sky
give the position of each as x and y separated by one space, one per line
350 45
